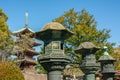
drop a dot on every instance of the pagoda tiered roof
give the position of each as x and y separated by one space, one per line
26 40
24 30
26 61
33 43
31 52
17 50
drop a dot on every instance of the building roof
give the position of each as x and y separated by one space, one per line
26 61
17 50
23 30
36 44
31 52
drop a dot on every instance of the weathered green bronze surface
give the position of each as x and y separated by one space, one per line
107 65
89 65
54 60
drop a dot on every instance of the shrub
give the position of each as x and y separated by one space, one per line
9 71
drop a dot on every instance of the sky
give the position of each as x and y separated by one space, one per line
41 12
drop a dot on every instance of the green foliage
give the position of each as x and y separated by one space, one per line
6 41
117 65
40 69
9 71
116 55
84 27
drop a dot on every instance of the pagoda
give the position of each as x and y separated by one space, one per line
23 49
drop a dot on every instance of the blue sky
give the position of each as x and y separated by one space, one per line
106 13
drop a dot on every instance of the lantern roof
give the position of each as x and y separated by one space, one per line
53 26
47 31
106 56
86 46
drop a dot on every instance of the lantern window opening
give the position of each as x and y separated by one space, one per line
56 45
62 47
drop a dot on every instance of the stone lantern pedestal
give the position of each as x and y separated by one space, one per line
89 65
107 65
54 65
54 60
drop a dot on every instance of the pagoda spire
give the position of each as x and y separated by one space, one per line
26 19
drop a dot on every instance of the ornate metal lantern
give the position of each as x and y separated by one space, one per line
89 65
54 60
107 65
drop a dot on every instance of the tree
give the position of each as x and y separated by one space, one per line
6 41
39 68
9 71
84 27
116 55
